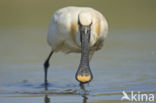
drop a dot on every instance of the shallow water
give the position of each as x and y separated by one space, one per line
127 62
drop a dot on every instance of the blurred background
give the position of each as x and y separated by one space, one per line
37 13
126 62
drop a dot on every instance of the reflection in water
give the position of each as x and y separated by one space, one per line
84 94
84 99
46 99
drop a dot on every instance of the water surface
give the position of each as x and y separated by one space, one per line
127 62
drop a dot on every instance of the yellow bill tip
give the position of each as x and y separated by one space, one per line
81 78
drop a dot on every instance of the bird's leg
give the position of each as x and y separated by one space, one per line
46 65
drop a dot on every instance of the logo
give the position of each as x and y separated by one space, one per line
137 97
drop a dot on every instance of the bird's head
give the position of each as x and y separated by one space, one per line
84 23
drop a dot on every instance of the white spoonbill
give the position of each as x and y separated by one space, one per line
80 30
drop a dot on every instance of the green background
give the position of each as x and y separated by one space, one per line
119 13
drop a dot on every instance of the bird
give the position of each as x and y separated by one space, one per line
75 29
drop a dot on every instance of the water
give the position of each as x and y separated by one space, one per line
126 62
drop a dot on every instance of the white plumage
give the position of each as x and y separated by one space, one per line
63 32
